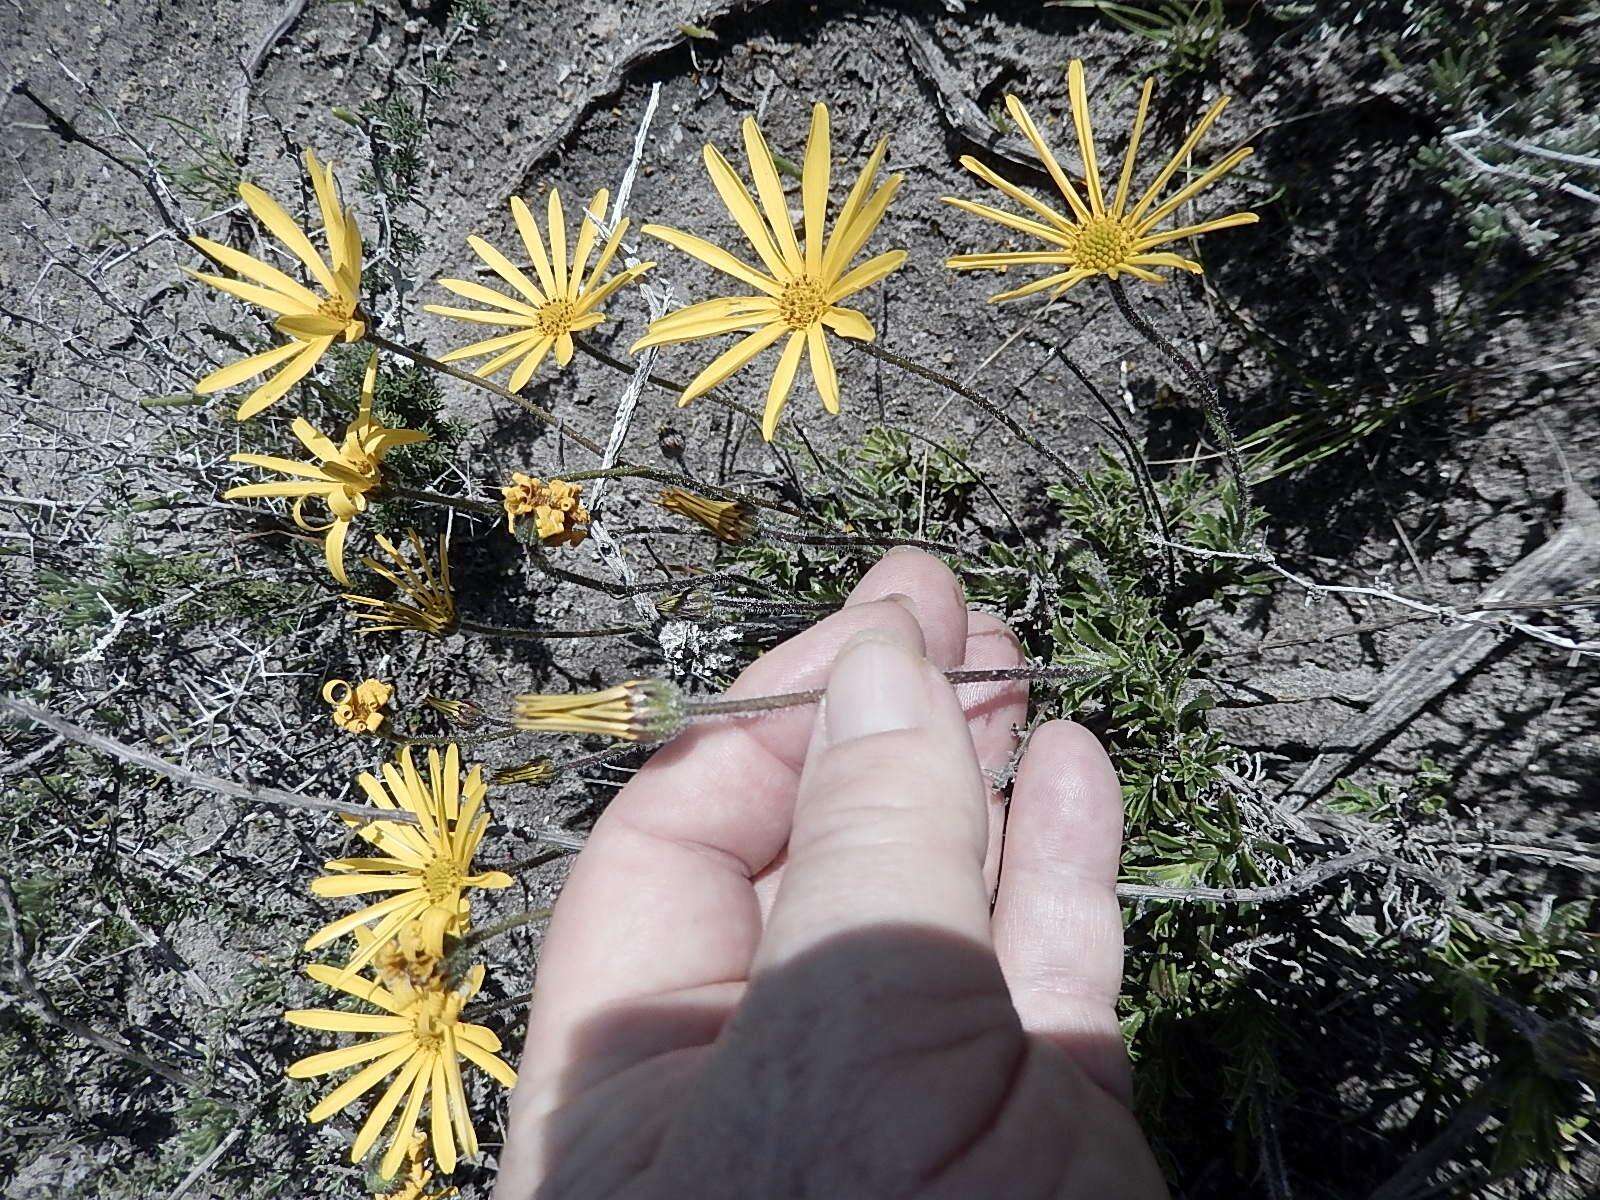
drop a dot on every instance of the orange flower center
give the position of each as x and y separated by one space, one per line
801 303
1102 244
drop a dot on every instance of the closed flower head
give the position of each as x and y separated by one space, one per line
312 320
798 297
641 710
343 476
730 521
1096 236
542 316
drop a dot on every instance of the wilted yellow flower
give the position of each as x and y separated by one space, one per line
1097 239
801 289
358 708
559 516
427 866
729 520
420 1038
535 771
641 710
346 474
312 322
561 304
408 957
422 600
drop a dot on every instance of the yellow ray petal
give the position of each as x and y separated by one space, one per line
481 316
601 294
271 214
293 372
334 1021
738 203
1010 220
1023 197
587 232
529 229
714 256
336 1060
832 264
246 368
770 188
254 268
1010 258
1133 149
333 215
782 383
254 293
1178 159
556 223
384 1108
1031 132
488 1062
1062 281
443 1142
363 1081
1192 189
1173 235
492 345
308 326
357 885
866 221
865 275
528 365
847 322
256 491
348 922
814 179
822 369
608 252
288 466
710 327
1164 259
369 990
506 269
1080 121
485 295
401 1141
319 444
731 359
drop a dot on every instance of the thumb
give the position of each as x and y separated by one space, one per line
890 823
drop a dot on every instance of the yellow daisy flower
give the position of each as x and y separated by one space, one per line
1097 238
427 865
801 289
358 709
422 601
420 1039
312 322
343 478
562 303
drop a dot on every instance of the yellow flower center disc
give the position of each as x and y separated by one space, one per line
1102 244
339 310
441 878
801 304
555 318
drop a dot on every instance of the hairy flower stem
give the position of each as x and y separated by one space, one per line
979 401
1149 497
537 635
1210 400
488 385
453 961
477 508
693 709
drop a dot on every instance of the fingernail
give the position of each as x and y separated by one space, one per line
876 686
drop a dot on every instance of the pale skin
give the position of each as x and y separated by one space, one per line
810 955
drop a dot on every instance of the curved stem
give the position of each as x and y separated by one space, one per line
1210 399
488 385
978 400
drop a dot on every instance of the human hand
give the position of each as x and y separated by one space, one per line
775 972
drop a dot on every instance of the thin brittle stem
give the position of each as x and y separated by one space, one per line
1210 399
478 508
729 707
535 635
979 401
488 385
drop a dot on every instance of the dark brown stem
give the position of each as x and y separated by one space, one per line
488 385
478 508
1210 399
979 401
537 635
